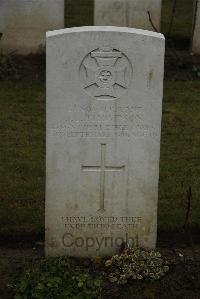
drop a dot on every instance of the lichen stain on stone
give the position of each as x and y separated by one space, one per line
150 77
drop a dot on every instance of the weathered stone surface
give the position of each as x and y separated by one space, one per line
128 13
104 106
196 36
24 23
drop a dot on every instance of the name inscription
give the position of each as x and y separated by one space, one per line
104 121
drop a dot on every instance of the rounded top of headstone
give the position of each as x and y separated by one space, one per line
104 29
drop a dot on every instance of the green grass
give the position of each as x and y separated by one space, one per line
22 152
22 163
179 167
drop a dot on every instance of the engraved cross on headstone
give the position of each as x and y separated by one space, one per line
102 169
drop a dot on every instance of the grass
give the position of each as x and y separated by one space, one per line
22 152
22 148
179 167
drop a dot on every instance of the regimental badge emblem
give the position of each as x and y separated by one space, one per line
106 73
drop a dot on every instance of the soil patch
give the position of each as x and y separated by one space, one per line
182 281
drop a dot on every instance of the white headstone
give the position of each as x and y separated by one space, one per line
104 107
196 36
24 23
128 13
